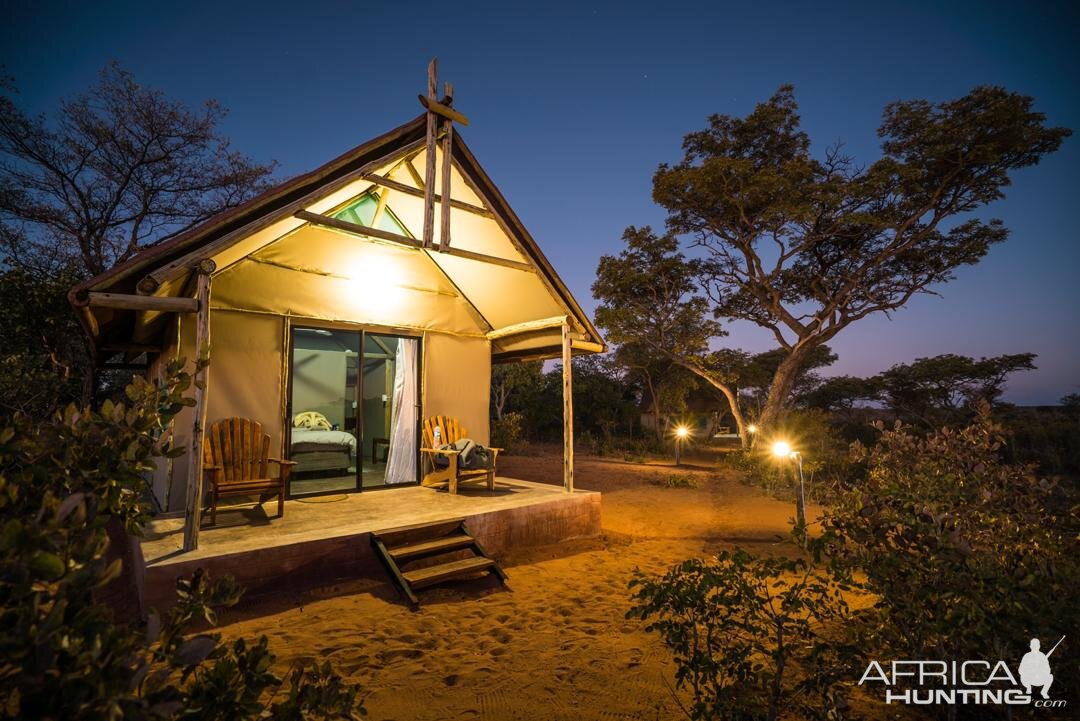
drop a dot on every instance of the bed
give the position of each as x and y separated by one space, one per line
316 447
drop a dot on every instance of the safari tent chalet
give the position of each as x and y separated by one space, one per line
340 309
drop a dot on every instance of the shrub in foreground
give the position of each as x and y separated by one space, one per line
62 653
746 635
969 557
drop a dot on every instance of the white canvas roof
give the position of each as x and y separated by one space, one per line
492 282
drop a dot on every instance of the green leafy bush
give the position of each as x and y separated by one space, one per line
62 653
43 360
506 431
1047 437
644 447
678 480
745 631
969 557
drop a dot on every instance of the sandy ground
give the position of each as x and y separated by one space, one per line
556 643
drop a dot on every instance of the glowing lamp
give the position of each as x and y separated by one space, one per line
751 428
781 449
375 283
682 431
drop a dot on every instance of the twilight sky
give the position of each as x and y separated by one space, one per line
574 105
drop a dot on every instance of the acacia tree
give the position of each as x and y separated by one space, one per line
649 299
804 247
756 374
118 168
652 307
933 391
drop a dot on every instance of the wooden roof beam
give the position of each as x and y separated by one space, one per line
366 230
445 111
415 175
140 302
186 263
409 190
338 224
528 326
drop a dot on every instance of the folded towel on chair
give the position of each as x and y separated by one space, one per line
471 455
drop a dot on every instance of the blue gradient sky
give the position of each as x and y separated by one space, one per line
573 106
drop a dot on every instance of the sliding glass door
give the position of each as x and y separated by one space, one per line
353 410
389 398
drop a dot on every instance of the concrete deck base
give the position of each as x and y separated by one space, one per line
318 542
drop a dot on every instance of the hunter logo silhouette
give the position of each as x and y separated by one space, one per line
1035 668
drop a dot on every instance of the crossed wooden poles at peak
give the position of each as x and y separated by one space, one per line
440 122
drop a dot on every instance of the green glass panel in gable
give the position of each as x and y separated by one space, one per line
362 210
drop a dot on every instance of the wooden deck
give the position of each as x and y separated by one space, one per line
324 539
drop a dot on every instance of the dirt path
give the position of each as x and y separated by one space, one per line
557 645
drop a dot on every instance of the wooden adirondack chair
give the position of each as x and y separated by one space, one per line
235 454
451 432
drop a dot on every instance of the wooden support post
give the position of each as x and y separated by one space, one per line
415 174
429 161
193 516
380 207
447 147
567 410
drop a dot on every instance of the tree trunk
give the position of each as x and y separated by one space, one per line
736 412
655 405
89 389
781 386
729 393
500 401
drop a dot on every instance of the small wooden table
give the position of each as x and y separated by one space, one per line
375 443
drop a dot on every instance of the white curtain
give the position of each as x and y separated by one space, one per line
401 463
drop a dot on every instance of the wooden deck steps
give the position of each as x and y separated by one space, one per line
399 549
428 548
431 575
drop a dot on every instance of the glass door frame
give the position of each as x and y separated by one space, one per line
362 332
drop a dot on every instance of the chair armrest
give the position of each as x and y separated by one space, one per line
281 462
440 451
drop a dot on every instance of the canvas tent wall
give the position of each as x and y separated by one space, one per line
249 371
299 254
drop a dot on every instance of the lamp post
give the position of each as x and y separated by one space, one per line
782 449
752 430
681 434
